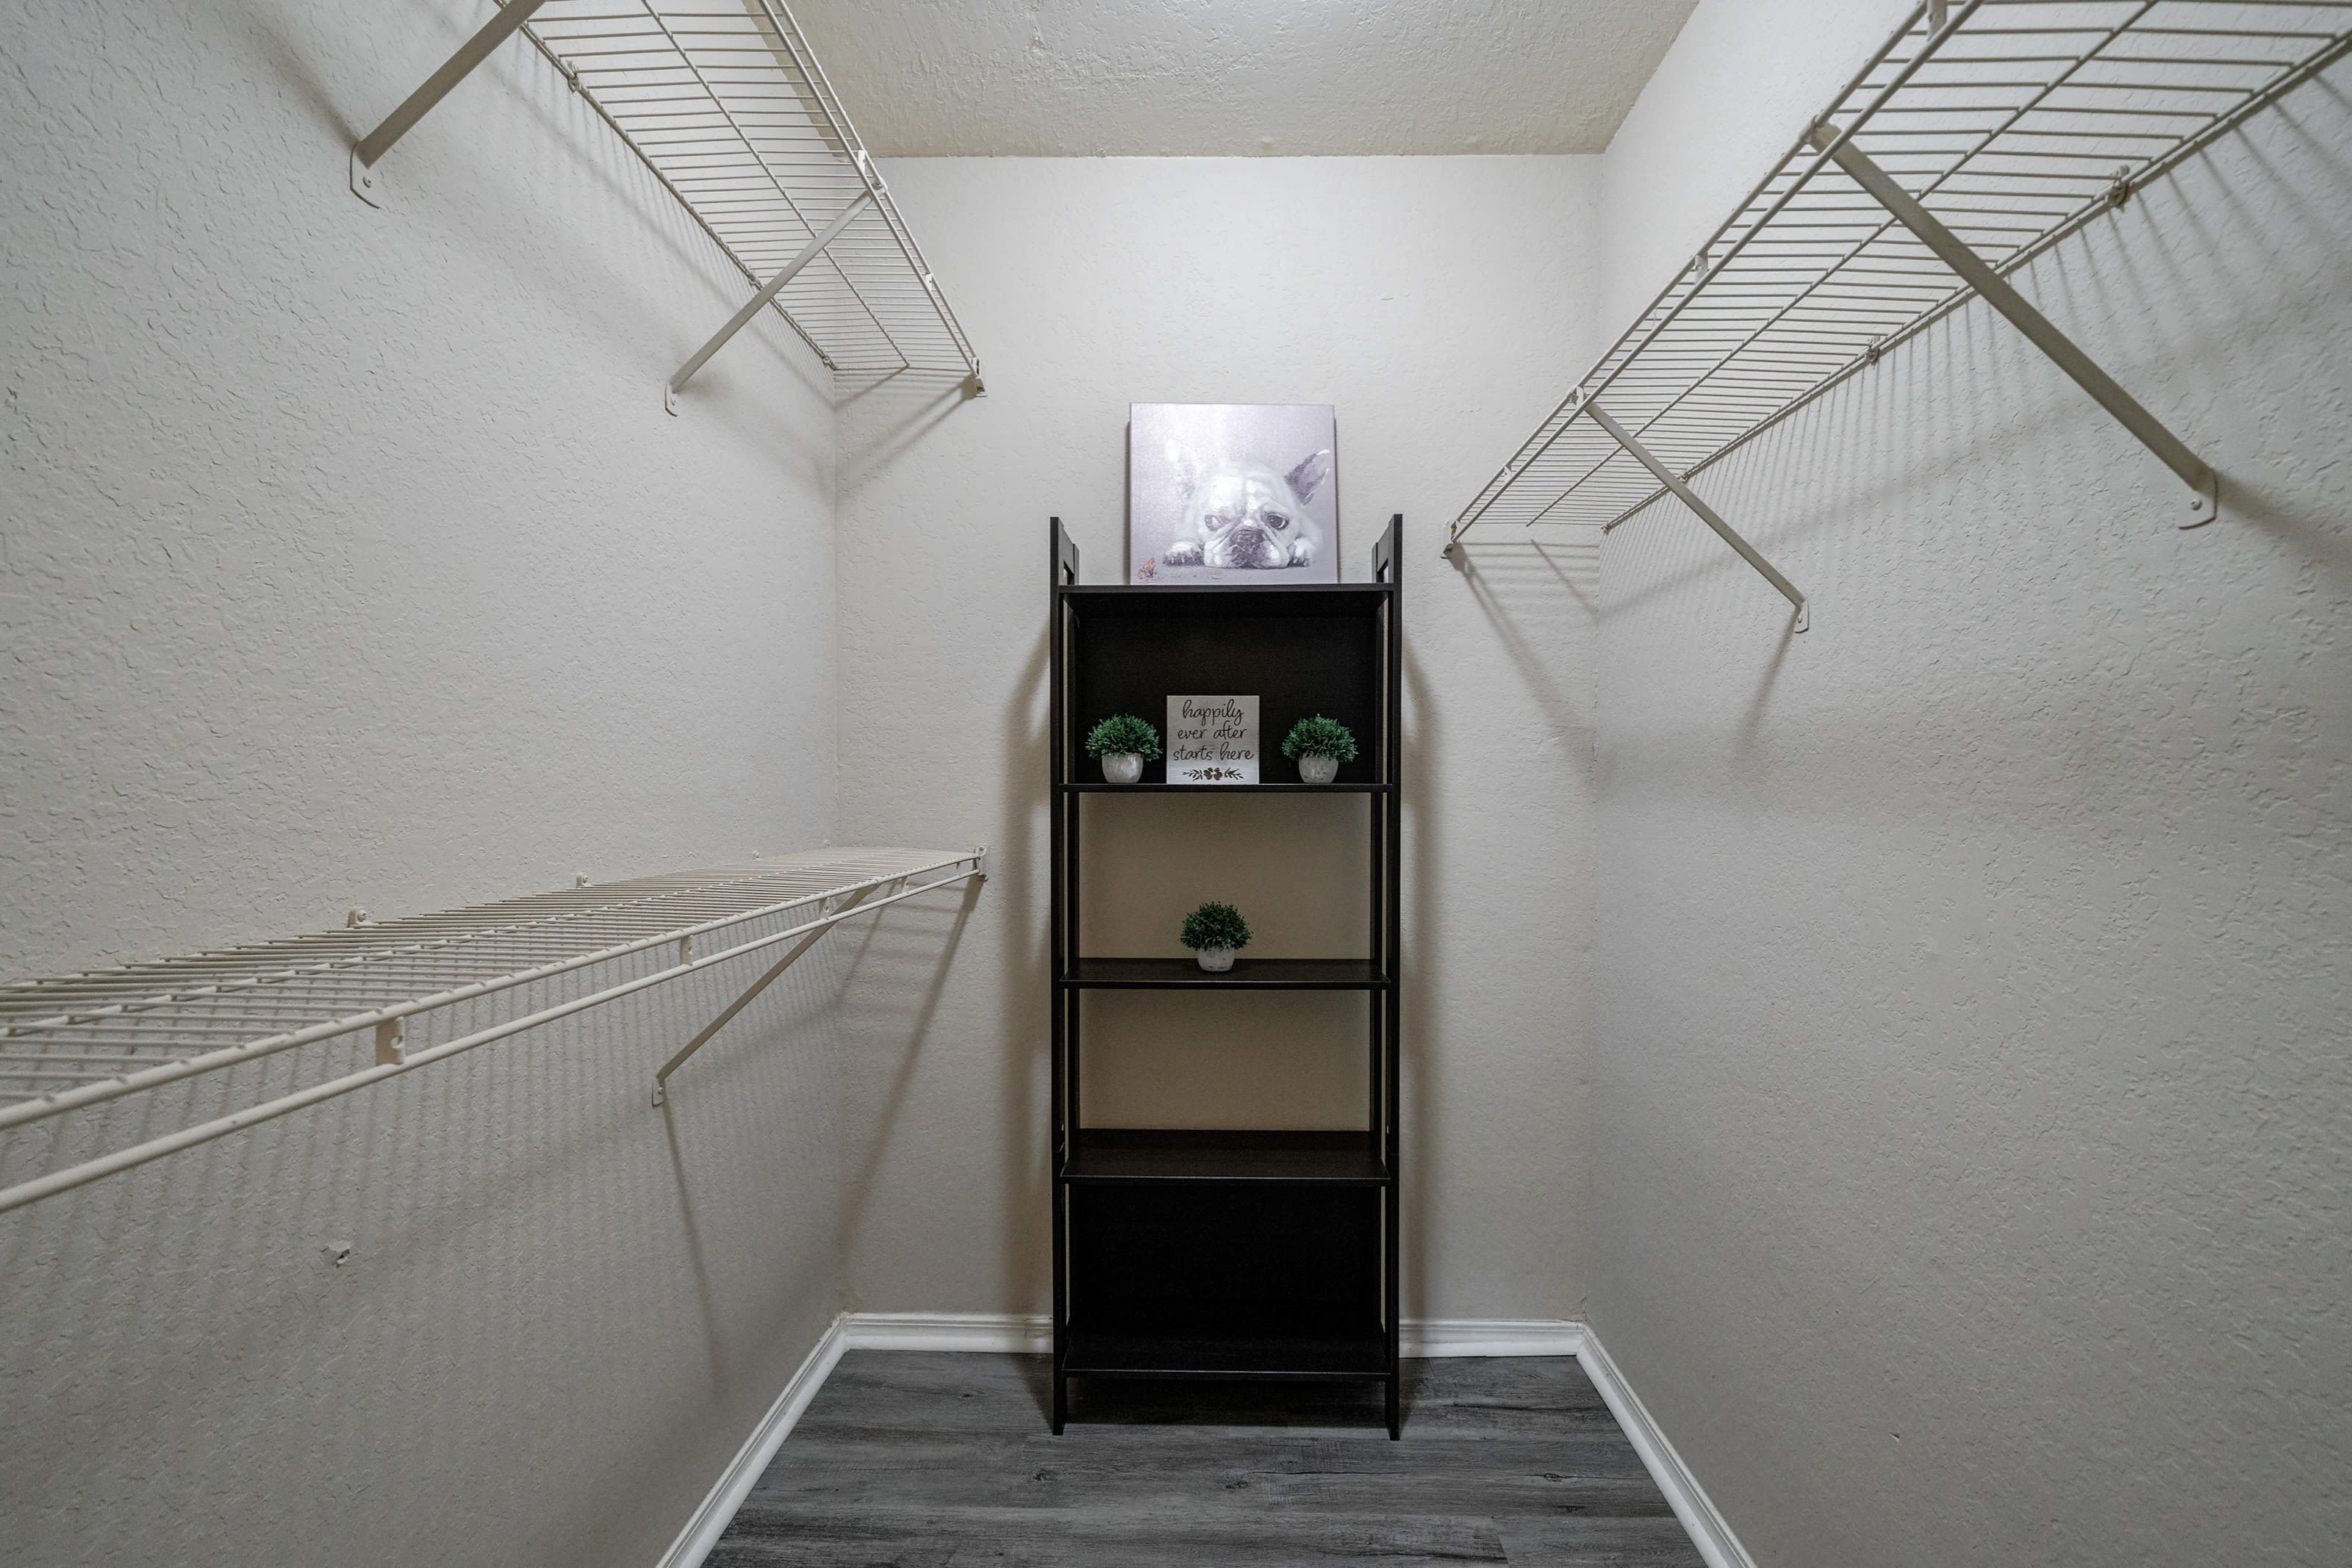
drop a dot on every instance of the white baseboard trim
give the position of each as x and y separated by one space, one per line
1709 1531
1026 1334
1492 1336
1032 1334
709 1521
1008 1333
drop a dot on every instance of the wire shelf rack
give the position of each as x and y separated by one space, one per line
729 108
357 1006
2013 123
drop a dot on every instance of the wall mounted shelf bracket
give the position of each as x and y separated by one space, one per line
759 302
367 183
832 910
1706 514
2204 483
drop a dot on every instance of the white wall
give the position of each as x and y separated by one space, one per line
1440 304
1969 1178
350 559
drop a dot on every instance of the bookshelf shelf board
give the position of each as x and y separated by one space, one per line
1220 1155
1110 1354
1246 975
1231 788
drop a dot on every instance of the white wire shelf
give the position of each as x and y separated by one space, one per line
2013 122
728 105
361 1005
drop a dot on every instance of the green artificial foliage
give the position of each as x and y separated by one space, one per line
1122 733
1215 925
1319 736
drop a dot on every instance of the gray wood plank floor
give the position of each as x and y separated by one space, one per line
923 1461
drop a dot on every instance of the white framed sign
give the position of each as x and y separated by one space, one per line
1213 740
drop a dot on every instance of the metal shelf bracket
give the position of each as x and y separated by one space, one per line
1997 292
369 151
832 915
1706 514
759 302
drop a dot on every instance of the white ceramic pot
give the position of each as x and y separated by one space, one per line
1122 767
1216 960
1318 769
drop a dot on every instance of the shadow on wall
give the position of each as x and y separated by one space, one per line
1026 955
1974 965
566 1306
1875 501
1497 775
1420 907
1515 582
894 411
905 956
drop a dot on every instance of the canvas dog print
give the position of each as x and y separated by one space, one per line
1239 495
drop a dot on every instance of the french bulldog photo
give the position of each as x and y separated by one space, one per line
1241 495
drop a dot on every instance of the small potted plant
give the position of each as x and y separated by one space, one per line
1319 745
1213 932
1124 743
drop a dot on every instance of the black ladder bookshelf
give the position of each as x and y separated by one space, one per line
1227 1254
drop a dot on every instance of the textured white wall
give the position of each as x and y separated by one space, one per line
1440 304
1970 1183
350 559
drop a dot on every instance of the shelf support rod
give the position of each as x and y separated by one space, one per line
372 147
1706 514
661 1078
1996 291
759 301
